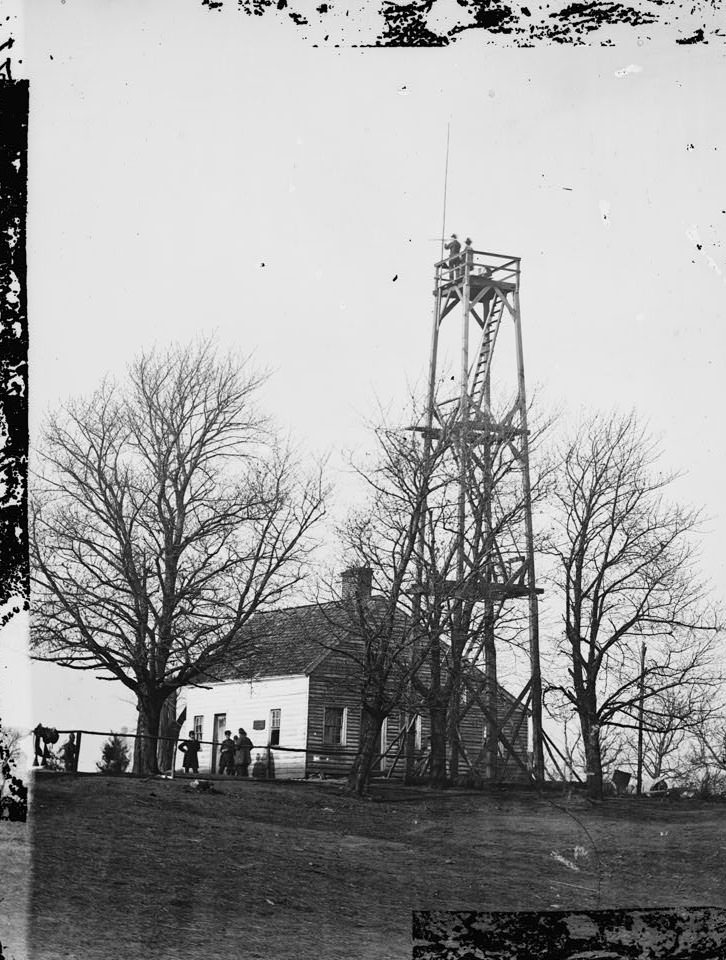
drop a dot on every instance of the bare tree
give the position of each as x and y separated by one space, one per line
706 759
13 792
393 637
670 727
381 642
438 620
13 501
626 569
164 516
11 741
613 749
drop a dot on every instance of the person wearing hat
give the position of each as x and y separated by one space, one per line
189 750
454 248
226 754
242 753
67 753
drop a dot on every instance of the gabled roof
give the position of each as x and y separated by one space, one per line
294 641
287 642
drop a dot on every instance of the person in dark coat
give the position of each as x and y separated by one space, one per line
242 753
454 248
190 748
226 753
67 753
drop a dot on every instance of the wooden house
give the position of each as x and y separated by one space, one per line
296 692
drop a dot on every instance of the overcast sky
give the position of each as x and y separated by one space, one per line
193 173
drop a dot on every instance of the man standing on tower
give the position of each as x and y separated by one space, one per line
454 248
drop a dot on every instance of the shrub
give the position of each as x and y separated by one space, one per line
711 785
114 756
13 792
51 761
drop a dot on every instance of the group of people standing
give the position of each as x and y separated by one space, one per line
235 753
456 257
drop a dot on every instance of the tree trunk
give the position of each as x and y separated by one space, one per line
168 727
593 757
148 729
458 645
437 714
491 752
409 720
452 723
370 733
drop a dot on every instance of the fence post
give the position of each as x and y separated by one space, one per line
173 758
77 752
641 698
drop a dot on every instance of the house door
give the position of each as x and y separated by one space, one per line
220 725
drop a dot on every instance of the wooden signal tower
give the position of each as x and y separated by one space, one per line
483 290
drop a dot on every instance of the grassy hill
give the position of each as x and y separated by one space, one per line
154 869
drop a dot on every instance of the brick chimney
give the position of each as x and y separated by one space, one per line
356 582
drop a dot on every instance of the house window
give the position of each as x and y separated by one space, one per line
417 733
275 727
334 724
197 726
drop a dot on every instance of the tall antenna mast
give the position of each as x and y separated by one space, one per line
446 183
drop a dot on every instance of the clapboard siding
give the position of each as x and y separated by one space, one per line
244 702
333 684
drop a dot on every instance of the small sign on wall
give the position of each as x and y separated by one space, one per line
258 724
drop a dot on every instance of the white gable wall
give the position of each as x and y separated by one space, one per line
246 701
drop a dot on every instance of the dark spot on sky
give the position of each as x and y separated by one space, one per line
699 246
395 278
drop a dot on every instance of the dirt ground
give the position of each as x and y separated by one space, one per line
152 869
15 868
